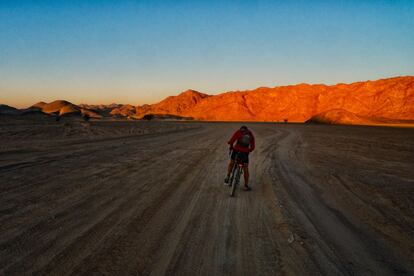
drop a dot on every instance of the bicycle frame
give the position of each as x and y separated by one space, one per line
236 174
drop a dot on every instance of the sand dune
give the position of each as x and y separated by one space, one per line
64 108
124 111
343 117
340 116
8 110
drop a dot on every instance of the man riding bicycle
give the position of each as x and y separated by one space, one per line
245 143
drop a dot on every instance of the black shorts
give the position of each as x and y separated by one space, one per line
244 156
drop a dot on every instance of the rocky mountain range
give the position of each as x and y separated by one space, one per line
382 100
391 98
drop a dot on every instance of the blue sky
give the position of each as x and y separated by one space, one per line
142 51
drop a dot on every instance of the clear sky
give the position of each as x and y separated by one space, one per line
141 51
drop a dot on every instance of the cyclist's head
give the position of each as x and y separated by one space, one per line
243 128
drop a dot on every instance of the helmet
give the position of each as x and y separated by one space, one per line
243 128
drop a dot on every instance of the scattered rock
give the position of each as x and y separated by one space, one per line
291 238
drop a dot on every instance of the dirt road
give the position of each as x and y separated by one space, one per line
326 200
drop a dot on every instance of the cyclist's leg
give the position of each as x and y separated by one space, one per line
246 175
231 164
230 167
246 170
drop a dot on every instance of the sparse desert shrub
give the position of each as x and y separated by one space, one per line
148 117
86 117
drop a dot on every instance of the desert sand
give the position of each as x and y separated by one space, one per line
141 198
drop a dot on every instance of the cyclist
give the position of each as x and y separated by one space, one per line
245 143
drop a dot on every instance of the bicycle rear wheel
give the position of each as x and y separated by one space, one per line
236 181
233 172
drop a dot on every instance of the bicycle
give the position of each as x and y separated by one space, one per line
236 173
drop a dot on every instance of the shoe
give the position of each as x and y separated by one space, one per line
247 188
226 180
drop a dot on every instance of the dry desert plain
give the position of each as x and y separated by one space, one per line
141 198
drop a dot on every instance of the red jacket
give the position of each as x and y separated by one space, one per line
236 136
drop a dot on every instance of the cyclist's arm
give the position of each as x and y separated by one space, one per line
233 139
